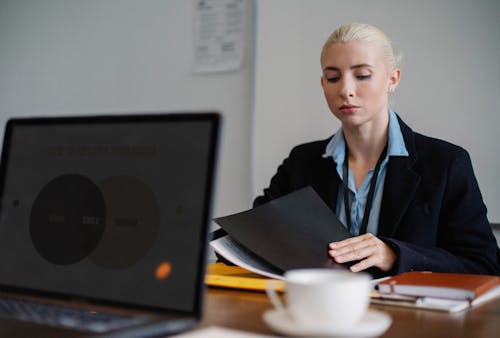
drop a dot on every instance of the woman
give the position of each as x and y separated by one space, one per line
411 202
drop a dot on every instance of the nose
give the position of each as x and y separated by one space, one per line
347 88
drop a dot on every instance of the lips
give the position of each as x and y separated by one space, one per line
348 108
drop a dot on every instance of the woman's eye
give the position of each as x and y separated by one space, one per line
363 77
332 79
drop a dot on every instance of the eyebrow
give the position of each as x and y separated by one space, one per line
361 65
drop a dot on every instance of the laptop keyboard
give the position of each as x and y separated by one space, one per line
74 318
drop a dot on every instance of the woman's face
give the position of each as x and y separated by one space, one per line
356 80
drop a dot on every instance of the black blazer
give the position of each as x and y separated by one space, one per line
432 213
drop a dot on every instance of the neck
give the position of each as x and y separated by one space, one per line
367 142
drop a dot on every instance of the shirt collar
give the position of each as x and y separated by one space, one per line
396 144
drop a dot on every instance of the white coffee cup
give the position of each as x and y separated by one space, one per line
324 296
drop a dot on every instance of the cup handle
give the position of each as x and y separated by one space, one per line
273 295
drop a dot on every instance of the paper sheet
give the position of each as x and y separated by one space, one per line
219 26
240 256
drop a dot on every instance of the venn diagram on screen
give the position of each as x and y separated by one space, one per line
113 222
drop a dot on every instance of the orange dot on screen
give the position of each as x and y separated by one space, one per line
163 270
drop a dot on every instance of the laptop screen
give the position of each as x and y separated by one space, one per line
113 208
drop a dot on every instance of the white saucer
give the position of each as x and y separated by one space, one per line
373 324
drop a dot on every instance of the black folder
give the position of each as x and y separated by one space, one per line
289 232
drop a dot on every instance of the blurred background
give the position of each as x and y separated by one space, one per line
73 57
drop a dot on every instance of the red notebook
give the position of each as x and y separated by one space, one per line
439 285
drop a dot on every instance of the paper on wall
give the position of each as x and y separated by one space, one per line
219 26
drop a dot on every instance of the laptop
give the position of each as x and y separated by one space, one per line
104 223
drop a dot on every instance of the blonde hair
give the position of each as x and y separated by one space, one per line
364 33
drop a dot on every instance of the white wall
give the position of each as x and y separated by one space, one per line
450 76
119 56
113 56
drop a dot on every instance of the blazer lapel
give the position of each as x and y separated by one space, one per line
400 186
401 182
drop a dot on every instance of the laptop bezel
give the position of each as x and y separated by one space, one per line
213 117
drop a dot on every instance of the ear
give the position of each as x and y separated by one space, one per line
394 77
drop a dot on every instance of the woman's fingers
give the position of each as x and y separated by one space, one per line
367 249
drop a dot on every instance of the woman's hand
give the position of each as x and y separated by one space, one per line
367 248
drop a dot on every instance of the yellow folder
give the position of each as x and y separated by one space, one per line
235 277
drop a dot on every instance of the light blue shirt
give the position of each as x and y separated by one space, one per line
336 149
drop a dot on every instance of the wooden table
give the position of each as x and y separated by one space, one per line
243 310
